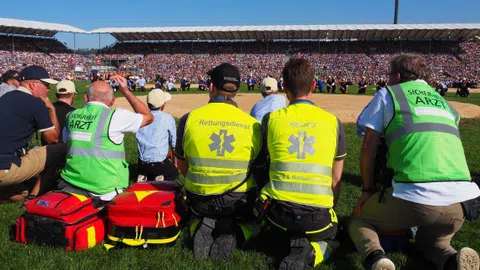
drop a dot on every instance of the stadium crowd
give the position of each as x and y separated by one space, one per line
275 181
449 61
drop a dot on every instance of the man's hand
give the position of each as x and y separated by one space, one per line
357 211
48 103
121 81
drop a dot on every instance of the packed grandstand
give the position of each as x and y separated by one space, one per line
175 57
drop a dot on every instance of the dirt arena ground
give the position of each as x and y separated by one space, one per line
345 107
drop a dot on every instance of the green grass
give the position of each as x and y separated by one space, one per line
18 256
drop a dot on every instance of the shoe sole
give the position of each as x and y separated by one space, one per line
222 247
467 259
297 259
203 239
384 264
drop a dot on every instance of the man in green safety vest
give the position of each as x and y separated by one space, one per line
430 174
94 136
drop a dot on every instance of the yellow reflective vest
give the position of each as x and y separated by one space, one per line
220 143
302 142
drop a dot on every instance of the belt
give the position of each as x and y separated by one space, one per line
20 152
153 163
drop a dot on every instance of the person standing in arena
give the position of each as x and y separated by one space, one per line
331 87
95 138
250 83
217 149
271 101
362 86
24 173
10 82
155 139
307 147
431 177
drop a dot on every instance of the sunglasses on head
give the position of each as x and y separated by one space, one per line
44 83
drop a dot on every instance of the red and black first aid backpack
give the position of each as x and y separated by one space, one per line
61 219
148 213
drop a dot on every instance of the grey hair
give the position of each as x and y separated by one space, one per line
93 95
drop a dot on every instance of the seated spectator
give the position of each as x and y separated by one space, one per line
202 85
331 87
171 86
362 86
27 173
141 83
271 101
155 139
441 88
463 90
319 84
65 95
381 84
10 82
95 134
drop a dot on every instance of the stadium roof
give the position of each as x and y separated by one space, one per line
346 31
32 28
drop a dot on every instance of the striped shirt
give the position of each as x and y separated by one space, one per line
268 104
154 139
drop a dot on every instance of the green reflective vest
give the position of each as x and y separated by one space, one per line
94 162
423 137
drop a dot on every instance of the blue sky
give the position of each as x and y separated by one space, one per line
89 15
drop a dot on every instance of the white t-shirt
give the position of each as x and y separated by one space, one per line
376 115
123 121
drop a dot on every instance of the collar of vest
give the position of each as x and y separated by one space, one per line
302 101
223 100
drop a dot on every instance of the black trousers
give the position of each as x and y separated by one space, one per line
152 170
319 224
56 157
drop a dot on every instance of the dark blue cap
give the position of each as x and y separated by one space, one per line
36 73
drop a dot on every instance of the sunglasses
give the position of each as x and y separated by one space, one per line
44 83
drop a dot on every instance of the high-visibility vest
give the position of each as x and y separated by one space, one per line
302 142
423 137
94 162
220 143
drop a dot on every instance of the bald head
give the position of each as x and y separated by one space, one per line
102 92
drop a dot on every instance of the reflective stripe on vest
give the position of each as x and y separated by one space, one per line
297 187
227 179
301 168
408 124
218 163
97 151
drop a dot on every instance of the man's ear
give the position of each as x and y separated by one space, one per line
113 101
86 98
313 87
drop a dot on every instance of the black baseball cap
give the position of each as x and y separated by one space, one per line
36 73
10 74
223 74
